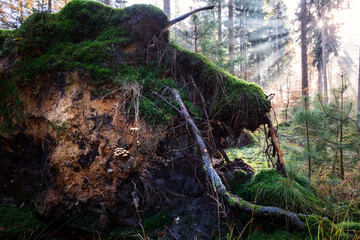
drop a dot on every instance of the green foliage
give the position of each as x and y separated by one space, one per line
325 122
158 220
279 234
5 37
17 224
269 188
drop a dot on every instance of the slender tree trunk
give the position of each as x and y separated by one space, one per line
304 67
259 68
21 10
50 6
341 128
277 41
320 85
307 134
244 42
288 88
231 36
219 31
196 38
323 50
358 96
167 8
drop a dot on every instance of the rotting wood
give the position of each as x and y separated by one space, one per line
179 19
280 165
233 200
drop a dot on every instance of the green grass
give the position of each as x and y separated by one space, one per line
158 220
18 224
269 188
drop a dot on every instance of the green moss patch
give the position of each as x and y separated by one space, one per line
9 104
110 48
236 102
158 220
269 188
17 224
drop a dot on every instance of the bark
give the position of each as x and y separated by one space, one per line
277 41
323 51
280 165
358 96
179 19
231 35
167 7
244 42
320 85
304 66
341 128
49 6
219 29
234 201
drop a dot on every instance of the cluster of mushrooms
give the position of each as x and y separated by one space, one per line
121 152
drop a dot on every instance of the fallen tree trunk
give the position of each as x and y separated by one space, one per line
233 200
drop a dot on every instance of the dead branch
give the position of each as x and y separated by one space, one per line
280 165
179 19
234 201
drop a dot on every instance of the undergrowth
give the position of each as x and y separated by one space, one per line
18 224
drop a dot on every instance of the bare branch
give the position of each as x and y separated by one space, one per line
179 19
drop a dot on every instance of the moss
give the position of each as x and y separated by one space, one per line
269 188
10 105
238 181
279 234
158 220
86 220
226 93
17 223
95 39
123 233
349 226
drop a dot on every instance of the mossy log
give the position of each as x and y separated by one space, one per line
234 201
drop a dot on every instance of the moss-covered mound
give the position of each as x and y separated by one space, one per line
269 188
111 48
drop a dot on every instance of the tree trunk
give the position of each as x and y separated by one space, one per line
323 51
231 36
219 31
358 96
304 67
277 41
341 128
233 200
49 6
320 84
167 8
244 42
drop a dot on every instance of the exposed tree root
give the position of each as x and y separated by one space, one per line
234 201
280 165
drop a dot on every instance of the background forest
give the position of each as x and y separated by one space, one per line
305 55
